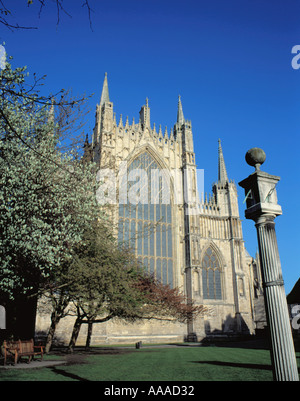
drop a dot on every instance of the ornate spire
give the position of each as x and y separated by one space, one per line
121 121
105 94
127 122
180 117
160 131
145 115
222 173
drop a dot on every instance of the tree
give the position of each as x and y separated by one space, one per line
69 116
105 274
47 198
110 283
56 303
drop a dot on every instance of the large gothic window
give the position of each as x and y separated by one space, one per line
145 219
211 276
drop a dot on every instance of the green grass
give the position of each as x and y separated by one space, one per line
159 364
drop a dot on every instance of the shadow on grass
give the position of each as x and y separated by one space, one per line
236 365
67 374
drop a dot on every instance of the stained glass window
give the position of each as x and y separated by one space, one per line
145 221
211 276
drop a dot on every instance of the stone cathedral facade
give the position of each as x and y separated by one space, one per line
195 244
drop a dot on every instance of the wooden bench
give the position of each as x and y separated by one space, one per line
17 349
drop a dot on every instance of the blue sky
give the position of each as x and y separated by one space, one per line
229 60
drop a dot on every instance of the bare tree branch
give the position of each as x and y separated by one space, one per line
86 4
5 13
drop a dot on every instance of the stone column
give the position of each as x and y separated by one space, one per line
262 207
282 345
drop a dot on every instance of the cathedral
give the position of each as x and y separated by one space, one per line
185 240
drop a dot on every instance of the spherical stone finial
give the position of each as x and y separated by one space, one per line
255 157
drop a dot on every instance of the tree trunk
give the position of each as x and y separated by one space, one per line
55 318
89 335
58 312
75 333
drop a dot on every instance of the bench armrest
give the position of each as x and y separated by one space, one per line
39 347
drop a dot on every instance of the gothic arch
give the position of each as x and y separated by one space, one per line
218 253
148 148
147 224
212 267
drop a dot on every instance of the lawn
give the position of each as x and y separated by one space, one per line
155 364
